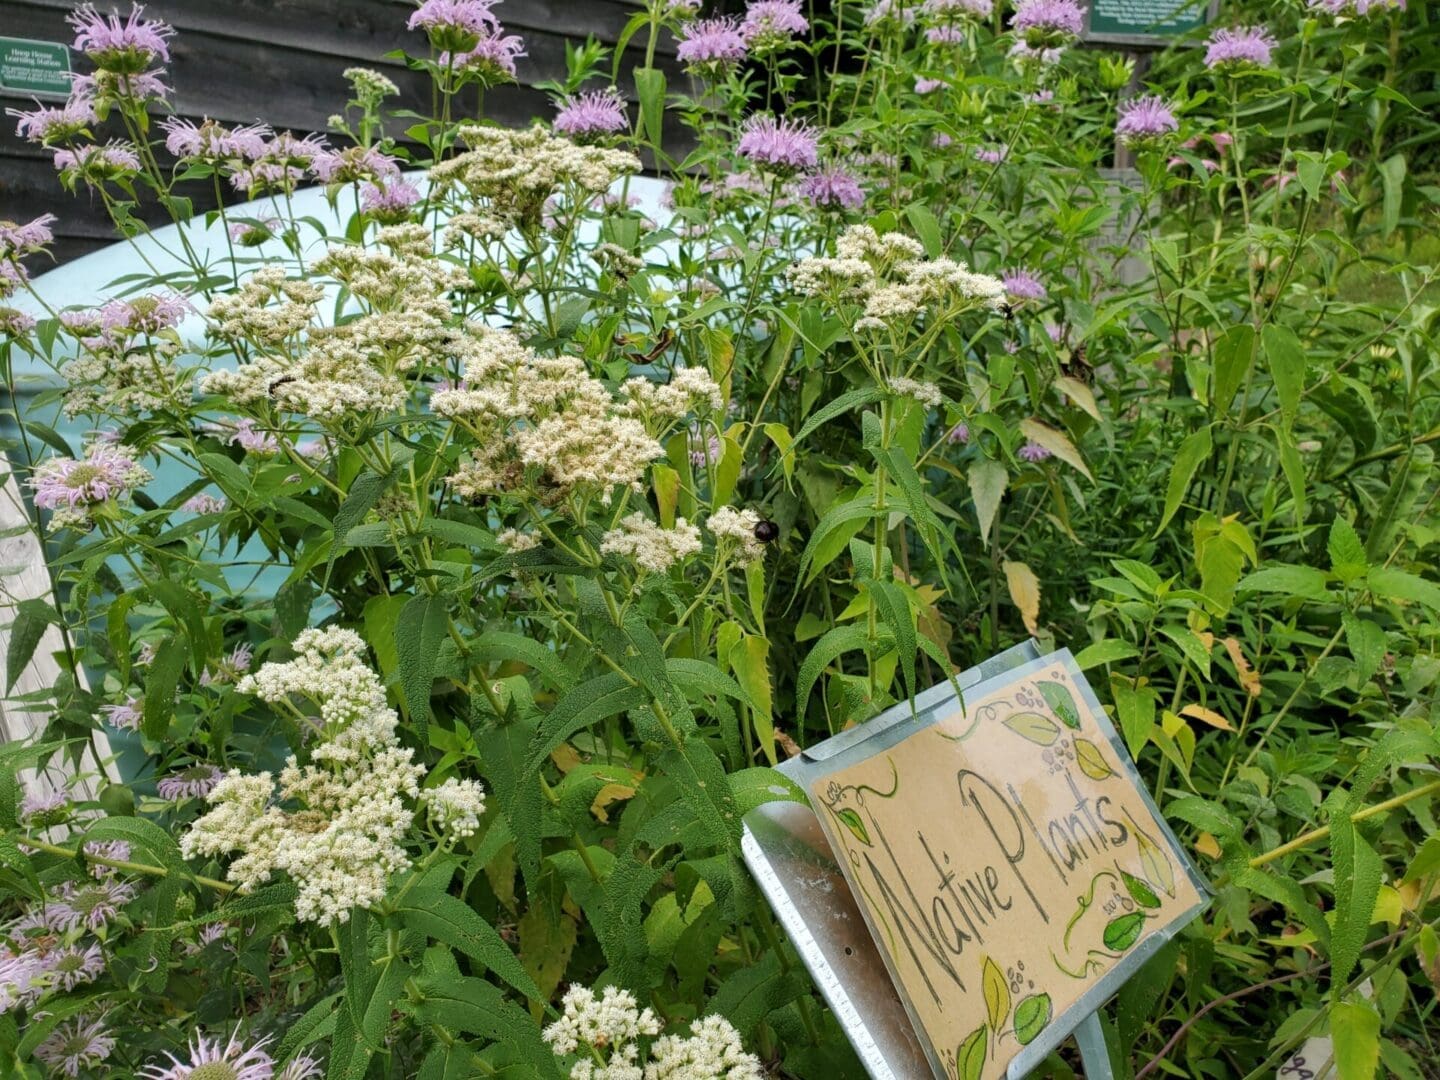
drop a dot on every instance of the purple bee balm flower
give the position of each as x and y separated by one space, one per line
592 115
232 1060
72 965
50 125
21 973
770 25
1145 120
145 314
118 850
76 1045
110 86
44 808
17 240
833 188
126 47
1023 285
491 61
203 504
389 202
104 474
250 438
303 1067
945 35
1046 23
928 86
15 323
891 14
960 433
95 164
455 25
941 140
1055 332
13 276
1244 46
90 904
704 450
254 233
781 145
354 163
209 141
1356 7
711 45
1032 451
230 668
127 714
990 155
196 782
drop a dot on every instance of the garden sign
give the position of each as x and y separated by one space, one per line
1144 23
1010 868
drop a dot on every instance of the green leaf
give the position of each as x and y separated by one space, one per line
852 399
1294 470
1366 642
497 646
1401 585
1058 697
833 644
364 493
598 699
970 1055
1358 871
836 527
1234 350
1355 1031
750 660
161 679
1123 931
32 616
1409 480
1104 652
453 922
479 1008
1301 581
1140 891
1347 554
852 820
1031 1016
1392 187
894 607
419 630
650 92
1195 449
1286 358
1034 727
987 480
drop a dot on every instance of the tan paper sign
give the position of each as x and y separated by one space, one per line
1005 861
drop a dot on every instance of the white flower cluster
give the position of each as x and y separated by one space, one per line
358 366
347 837
515 172
927 393
651 547
542 413
688 390
515 541
610 1025
122 378
738 527
712 1052
455 806
893 280
608 1030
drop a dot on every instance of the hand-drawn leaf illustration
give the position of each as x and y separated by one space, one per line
970 1056
1057 696
1139 891
997 993
851 820
1124 930
1154 863
1092 761
1040 730
1031 1016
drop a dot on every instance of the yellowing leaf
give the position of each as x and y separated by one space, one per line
997 993
1208 846
1243 671
1388 905
1057 443
1092 761
1025 593
1034 726
1207 716
610 793
1080 394
565 757
1155 865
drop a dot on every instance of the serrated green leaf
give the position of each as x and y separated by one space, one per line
453 922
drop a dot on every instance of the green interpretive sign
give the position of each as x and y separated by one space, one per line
1144 22
34 68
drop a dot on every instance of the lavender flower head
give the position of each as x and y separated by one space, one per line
953 12
592 116
945 35
960 433
352 164
90 904
780 145
255 232
240 1062
1245 46
990 155
1144 121
203 503
122 47
1360 8
73 489
1032 451
209 141
194 782
96 164
455 25
492 60
833 188
1047 23
891 15
1023 285
119 850
48 125
75 1045
17 240
1027 57
74 965
127 714
770 25
704 450
928 86
711 46
41 809
390 202
15 323
147 314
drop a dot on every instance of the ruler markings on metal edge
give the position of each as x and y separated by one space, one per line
829 983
